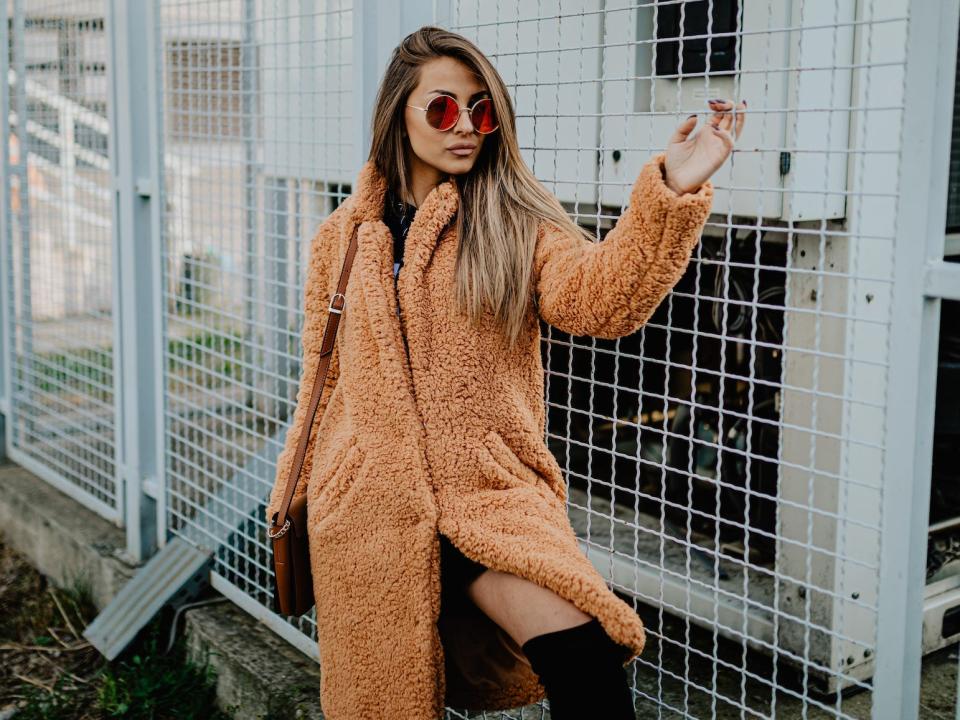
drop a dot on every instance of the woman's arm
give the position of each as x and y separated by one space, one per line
609 289
316 300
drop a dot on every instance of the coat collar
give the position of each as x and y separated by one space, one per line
374 262
435 212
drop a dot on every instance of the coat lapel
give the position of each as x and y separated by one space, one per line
435 212
374 265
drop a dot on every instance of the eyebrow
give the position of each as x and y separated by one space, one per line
448 92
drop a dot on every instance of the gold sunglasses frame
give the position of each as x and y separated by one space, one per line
462 110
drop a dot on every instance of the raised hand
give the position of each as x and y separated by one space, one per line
691 159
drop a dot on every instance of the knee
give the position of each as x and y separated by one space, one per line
582 646
523 608
582 670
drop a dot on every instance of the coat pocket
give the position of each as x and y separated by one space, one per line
538 466
331 480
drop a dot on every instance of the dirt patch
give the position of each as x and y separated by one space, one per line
49 670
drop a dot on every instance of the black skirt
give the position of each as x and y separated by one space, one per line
456 572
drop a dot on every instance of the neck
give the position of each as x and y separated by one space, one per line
423 179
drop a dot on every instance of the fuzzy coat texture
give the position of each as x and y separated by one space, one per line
451 440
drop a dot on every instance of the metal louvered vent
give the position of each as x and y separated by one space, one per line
953 187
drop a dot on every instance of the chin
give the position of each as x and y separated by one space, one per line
458 167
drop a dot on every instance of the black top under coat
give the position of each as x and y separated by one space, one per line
398 216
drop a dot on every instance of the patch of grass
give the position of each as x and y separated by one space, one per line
151 685
218 354
49 671
54 703
212 356
86 371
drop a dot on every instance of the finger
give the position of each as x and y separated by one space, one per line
725 137
720 103
726 121
684 129
716 105
720 108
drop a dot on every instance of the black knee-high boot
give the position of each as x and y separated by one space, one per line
582 670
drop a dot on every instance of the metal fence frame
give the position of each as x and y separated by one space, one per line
922 281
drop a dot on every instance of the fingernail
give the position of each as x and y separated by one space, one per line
692 115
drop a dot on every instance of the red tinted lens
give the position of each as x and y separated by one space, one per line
483 118
442 112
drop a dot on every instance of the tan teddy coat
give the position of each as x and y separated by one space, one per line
452 440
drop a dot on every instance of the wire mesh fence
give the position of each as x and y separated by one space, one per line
256 115
726 464
59 223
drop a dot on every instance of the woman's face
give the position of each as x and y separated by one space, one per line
431 147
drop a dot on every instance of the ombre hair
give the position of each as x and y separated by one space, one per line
501 202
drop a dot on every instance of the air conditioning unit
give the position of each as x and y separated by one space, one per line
599 90
792 159
953 185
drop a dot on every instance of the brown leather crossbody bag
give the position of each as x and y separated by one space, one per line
292 576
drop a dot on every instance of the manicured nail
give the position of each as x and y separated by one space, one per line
690 116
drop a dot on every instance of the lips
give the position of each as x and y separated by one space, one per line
462 150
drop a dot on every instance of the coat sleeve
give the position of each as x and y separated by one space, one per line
316 301
609 289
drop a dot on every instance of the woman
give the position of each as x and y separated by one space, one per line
428 457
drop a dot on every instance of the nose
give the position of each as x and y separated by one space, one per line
462 126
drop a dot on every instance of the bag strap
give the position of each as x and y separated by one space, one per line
326 351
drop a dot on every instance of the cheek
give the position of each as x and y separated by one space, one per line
424 141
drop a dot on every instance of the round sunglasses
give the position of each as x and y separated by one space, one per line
443 112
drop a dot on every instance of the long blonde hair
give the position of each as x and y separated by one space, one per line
501 201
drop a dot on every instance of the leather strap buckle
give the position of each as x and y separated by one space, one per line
337 310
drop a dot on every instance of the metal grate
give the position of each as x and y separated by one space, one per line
953 188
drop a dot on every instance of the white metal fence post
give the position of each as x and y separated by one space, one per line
23 221
5 230
136 130
920 233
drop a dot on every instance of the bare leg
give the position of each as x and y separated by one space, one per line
521 607
580 668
